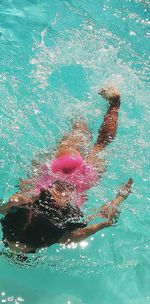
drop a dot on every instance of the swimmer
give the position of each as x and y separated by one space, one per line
46 210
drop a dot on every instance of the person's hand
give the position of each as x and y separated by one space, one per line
23 184
125 190
109 211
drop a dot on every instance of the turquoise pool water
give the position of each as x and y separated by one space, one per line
54 57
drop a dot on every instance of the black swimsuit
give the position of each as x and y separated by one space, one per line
60 219
64 218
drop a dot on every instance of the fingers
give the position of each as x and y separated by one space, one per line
109 212
130 181
125 190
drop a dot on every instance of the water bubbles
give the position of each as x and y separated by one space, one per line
56 76
10 299
83 244
132 33
90 27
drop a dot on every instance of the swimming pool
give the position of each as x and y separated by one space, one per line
54 57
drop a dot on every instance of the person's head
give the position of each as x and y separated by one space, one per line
28 227
25 229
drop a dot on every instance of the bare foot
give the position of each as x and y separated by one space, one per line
110 93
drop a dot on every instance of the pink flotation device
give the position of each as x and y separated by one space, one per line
66 164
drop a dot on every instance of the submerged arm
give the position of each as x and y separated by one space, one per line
17 199
108 211
111 209
81 234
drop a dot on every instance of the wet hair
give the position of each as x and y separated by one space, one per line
41 223
23 225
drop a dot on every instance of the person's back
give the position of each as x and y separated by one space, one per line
35 218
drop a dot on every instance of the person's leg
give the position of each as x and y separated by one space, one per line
79 138
108 129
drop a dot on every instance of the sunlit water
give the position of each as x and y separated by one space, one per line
55 55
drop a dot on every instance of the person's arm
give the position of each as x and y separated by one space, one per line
24 184
81 234
111 209
17 199
108 211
